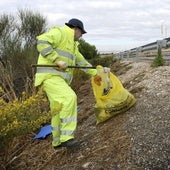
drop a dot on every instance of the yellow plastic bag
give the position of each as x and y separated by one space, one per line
111 97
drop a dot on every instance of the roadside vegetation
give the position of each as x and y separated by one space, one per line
158 61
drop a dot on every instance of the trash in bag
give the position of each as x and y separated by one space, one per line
111 97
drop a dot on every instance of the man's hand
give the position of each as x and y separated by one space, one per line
97 80
61 65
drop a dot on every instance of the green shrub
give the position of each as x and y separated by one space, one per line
105 61
158 61
87 50
20 117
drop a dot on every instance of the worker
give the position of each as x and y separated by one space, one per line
59 46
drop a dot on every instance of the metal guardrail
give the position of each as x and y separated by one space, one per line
143 51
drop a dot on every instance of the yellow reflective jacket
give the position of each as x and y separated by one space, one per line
58 44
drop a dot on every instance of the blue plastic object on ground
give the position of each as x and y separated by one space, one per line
44 132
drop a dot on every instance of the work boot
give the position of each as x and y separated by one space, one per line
70 143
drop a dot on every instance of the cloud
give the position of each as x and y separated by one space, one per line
113 25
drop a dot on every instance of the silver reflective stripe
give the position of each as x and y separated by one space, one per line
71 119
56 128
83 63
46 51
42 42
60 52
56 139
85 70
67 132
66 54
51 70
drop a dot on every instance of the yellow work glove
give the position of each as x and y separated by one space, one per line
97 80
61 65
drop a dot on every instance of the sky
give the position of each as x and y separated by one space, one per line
111 25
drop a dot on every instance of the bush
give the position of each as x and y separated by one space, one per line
22 116
105 61
87 50
158 61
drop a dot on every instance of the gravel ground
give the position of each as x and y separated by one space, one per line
149 122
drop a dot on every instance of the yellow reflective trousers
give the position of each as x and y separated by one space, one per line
63 106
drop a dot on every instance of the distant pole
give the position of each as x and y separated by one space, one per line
163 30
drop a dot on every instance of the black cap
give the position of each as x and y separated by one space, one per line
76 23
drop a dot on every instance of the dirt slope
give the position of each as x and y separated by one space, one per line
136 140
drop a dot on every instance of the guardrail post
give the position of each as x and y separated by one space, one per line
138 52
127 54
121 55
161 44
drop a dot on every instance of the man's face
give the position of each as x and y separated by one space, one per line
77 33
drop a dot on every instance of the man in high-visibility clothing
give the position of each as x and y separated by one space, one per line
60 46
